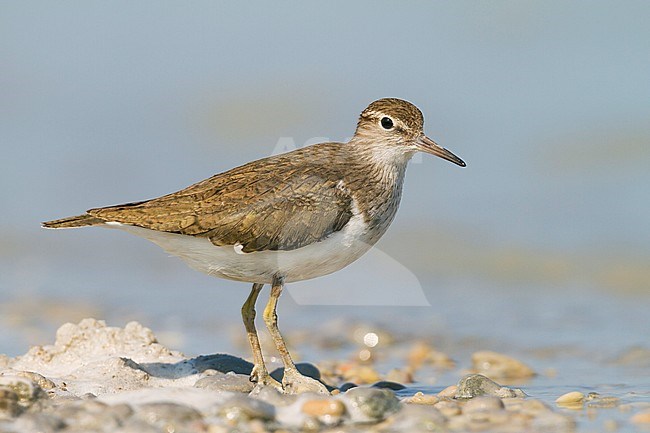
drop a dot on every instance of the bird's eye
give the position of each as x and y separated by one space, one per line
386 123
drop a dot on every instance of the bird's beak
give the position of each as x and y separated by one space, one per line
425 144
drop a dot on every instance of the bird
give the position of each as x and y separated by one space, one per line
284 218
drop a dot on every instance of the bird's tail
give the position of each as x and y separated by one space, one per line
71 222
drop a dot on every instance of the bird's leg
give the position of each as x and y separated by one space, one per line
259 374
293 382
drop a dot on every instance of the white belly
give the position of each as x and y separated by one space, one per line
322 258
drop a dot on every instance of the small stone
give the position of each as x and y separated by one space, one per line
497 365
90 415
40 380
421 398
26 390
388 385
570 399
606 402
38 422
417 418
641 418
448 408
474 385
272 396
423 353
399 376
346 386
323 407
9 407
242 409
484 403
449 392
363 374
169 417
226 382
370 404
555 422
532 407
304 368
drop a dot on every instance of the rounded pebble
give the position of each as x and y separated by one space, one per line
9 407
483 404
421 398
448 408
323 407
388 385
226 382
474 385
448 392
40 380
400 376
304 368
497 365
241 408
371 404
570 398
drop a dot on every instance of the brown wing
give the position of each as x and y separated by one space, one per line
272 204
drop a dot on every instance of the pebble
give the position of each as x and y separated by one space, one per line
346 386
421 398
423 353
388 385
362 374
498 366
554 422
571 399
417 418
169 417
9 407
604 402
226 382
304 368
483 404
448 408
641 418
27 391
474 385
449 392
240 408
321 407
370 404
43 382
272 396
400 376
39 422
92 415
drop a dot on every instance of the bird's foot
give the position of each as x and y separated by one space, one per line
261 377
295 383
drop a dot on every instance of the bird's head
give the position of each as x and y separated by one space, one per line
400 125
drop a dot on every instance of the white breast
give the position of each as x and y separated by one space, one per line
314 260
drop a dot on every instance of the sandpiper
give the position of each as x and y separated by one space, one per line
285 218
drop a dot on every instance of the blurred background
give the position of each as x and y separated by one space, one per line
543 239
